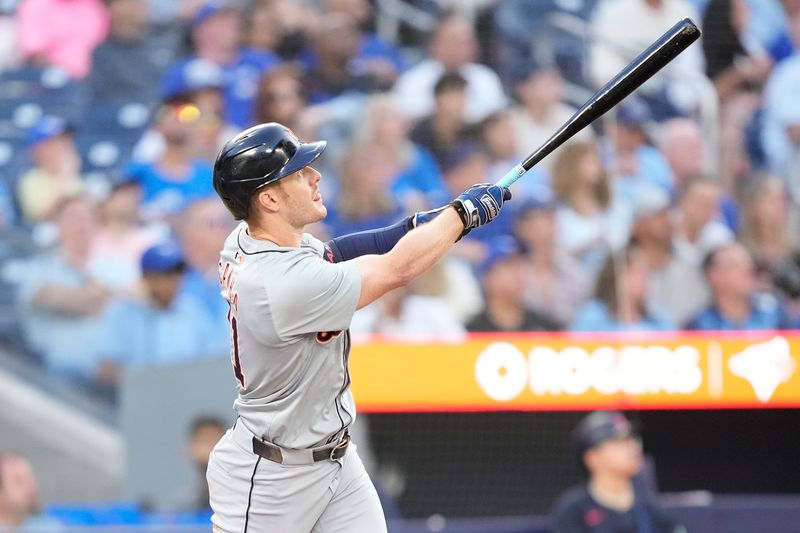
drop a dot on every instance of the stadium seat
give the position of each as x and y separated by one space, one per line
108 134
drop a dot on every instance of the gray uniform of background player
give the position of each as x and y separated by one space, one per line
290 310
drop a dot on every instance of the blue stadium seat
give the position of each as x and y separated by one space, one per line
97 514
108 134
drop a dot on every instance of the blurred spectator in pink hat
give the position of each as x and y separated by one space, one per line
62 33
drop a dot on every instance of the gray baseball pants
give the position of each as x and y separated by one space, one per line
251 494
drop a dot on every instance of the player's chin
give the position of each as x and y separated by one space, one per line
321 210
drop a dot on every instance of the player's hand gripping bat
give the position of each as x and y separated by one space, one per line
641 69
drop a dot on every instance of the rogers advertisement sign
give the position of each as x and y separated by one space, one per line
581 371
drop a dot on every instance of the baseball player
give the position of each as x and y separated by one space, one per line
288 465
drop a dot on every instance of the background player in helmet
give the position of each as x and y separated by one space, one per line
287 464
613 499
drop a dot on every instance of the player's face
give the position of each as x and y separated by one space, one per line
621 456
19 492
301 203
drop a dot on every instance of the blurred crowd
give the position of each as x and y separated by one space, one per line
677 210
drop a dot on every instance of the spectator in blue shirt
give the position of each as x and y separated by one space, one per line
176 177
638 164
620 302
736 304
202 230
60 302
164 328
216 36
417 182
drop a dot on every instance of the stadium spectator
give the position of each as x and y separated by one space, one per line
281 98
620 302
738 67
55 174
590 222
61 302
163 328
202 229
683 145
736 303
497 135
445 127
375 55
199 83
342 57
10 57
555 283
61 33
417 184
734 63
541 111
453 48
177 176
674 286
364 200
19 497
204 433
767 229
637 164
780 135
502 275
468 162
405 315
697 229
121 239
112 78
613 498
331 72
216 35
617 42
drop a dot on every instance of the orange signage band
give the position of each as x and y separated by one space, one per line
549 372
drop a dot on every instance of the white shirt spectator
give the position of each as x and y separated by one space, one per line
421 319
781 111
413 91
624 28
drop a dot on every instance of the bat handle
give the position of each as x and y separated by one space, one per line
511 176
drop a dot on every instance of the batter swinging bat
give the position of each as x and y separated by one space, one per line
641 69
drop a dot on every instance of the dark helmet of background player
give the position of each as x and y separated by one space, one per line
598 427
256 157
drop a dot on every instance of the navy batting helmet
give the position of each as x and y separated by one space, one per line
258 156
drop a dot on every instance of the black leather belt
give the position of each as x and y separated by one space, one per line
274 453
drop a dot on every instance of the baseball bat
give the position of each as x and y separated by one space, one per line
638 71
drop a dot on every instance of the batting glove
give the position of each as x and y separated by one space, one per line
479 205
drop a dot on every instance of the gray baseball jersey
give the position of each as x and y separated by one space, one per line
289 310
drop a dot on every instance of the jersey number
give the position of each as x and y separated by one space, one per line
237 365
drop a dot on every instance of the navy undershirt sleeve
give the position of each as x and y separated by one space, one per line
376 241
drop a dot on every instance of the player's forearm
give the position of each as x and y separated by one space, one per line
423 247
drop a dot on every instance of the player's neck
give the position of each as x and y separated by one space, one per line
280 234
612 491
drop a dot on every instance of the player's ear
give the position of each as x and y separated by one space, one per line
268 199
